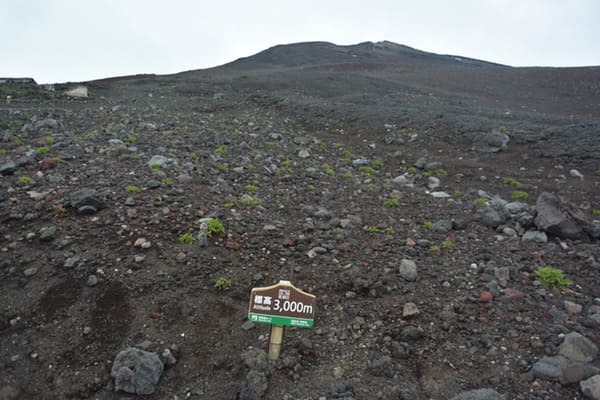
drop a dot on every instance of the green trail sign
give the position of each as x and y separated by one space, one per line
282 304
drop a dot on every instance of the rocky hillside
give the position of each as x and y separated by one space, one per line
449 231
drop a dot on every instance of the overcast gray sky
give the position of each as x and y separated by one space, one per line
75 40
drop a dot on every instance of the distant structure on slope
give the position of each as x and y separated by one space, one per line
24 82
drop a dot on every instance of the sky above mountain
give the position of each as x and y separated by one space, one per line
73 40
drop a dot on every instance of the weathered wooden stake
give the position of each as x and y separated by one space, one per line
276 341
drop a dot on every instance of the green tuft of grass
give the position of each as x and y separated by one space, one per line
367 170
440 171
597 172
166 181
187 238
481 202
551 276
377 164
214 226
250 188
26 180
132 139
390 230
373 229
249 201
58 160
519 195
434 247
133 189
223 283
2 152
221 150
595 212
447 244
391 203
412 170
348 175
502 129
43 150
457 193
49 140
427 174
511 181
428 224
194 157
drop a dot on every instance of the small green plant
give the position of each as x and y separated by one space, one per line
222 167
2 152
25 179
194 157
597 172
426 174
329 171
133 189
166 181
481 202
312 188
428 224
519 195
156 166
286 163
447 244
373 229
58 160
505 147
228 205
551 276
366 170
457 193
221 150
440 171
412 170
502 129
596 212
223 283
391 203
250 188
390 230
49 140
214 226
90 135
42 150
187 238
348 175
511 181
346 153
132 139
249 167
249 200
377 164
435 247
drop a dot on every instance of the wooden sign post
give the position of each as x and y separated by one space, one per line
281 305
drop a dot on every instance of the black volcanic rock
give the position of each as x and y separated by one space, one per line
553 221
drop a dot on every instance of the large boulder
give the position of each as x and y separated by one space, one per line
577 347
136 371
86 201
552 220
490 142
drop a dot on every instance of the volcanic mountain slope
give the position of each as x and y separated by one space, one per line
356 172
